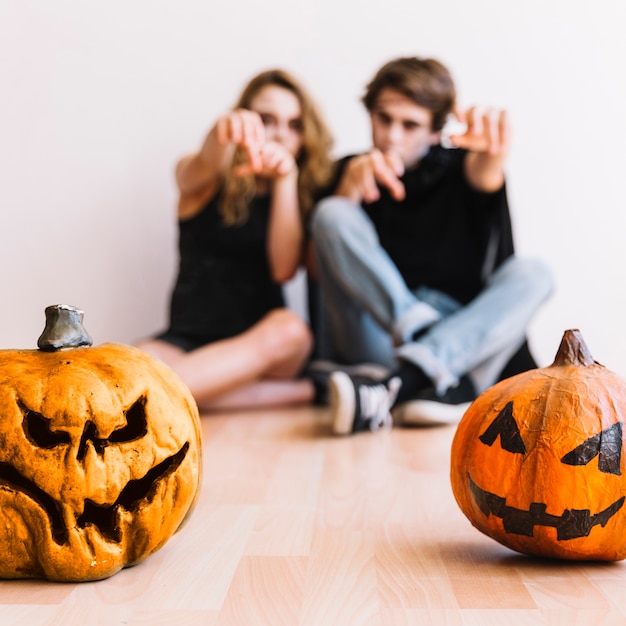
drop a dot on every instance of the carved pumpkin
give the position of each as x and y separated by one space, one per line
537 459
99 455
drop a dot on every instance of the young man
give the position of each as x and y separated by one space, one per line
415 257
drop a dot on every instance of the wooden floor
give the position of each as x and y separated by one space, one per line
296 527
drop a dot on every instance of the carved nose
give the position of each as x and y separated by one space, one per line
136 427
90 434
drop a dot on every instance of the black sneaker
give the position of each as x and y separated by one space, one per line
320 381
358 405
319 372
430 409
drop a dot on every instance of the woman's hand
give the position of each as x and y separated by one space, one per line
272 160
243 128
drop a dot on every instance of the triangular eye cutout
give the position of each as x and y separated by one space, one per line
136 424
607 446
505 427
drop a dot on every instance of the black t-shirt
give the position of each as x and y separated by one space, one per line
443 232
224 284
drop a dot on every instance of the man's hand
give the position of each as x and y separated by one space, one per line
365 172
488 139
488 131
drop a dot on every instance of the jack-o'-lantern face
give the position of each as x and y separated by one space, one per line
99 460
537 459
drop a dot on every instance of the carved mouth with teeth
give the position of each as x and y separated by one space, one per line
39 431
103 517
571 524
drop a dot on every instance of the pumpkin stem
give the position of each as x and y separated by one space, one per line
64 329
573 350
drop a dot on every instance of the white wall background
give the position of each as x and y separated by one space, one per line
99 99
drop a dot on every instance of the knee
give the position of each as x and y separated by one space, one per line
288 334
322 218
334 216
535 273
541 276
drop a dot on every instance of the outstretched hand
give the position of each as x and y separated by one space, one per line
272 160
488 131
244 128
365 172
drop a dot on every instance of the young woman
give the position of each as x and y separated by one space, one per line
244 198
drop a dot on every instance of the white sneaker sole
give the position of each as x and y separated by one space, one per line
342 403
429 413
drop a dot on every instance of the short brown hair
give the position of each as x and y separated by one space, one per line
426 82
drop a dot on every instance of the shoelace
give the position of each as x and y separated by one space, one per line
376 400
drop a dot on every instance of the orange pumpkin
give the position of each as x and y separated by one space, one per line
100 455
536 462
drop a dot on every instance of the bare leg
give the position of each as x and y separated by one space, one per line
244 370
264 393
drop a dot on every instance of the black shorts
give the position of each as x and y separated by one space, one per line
184 342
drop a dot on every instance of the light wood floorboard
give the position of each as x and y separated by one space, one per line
296 527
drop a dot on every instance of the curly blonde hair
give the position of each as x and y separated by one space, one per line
315 165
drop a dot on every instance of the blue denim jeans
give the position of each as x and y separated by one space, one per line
370 315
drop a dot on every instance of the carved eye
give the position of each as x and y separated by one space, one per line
505 427
38 431
607 446
136 424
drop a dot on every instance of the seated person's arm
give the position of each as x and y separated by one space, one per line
285 237
488 139
362 174
198 175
